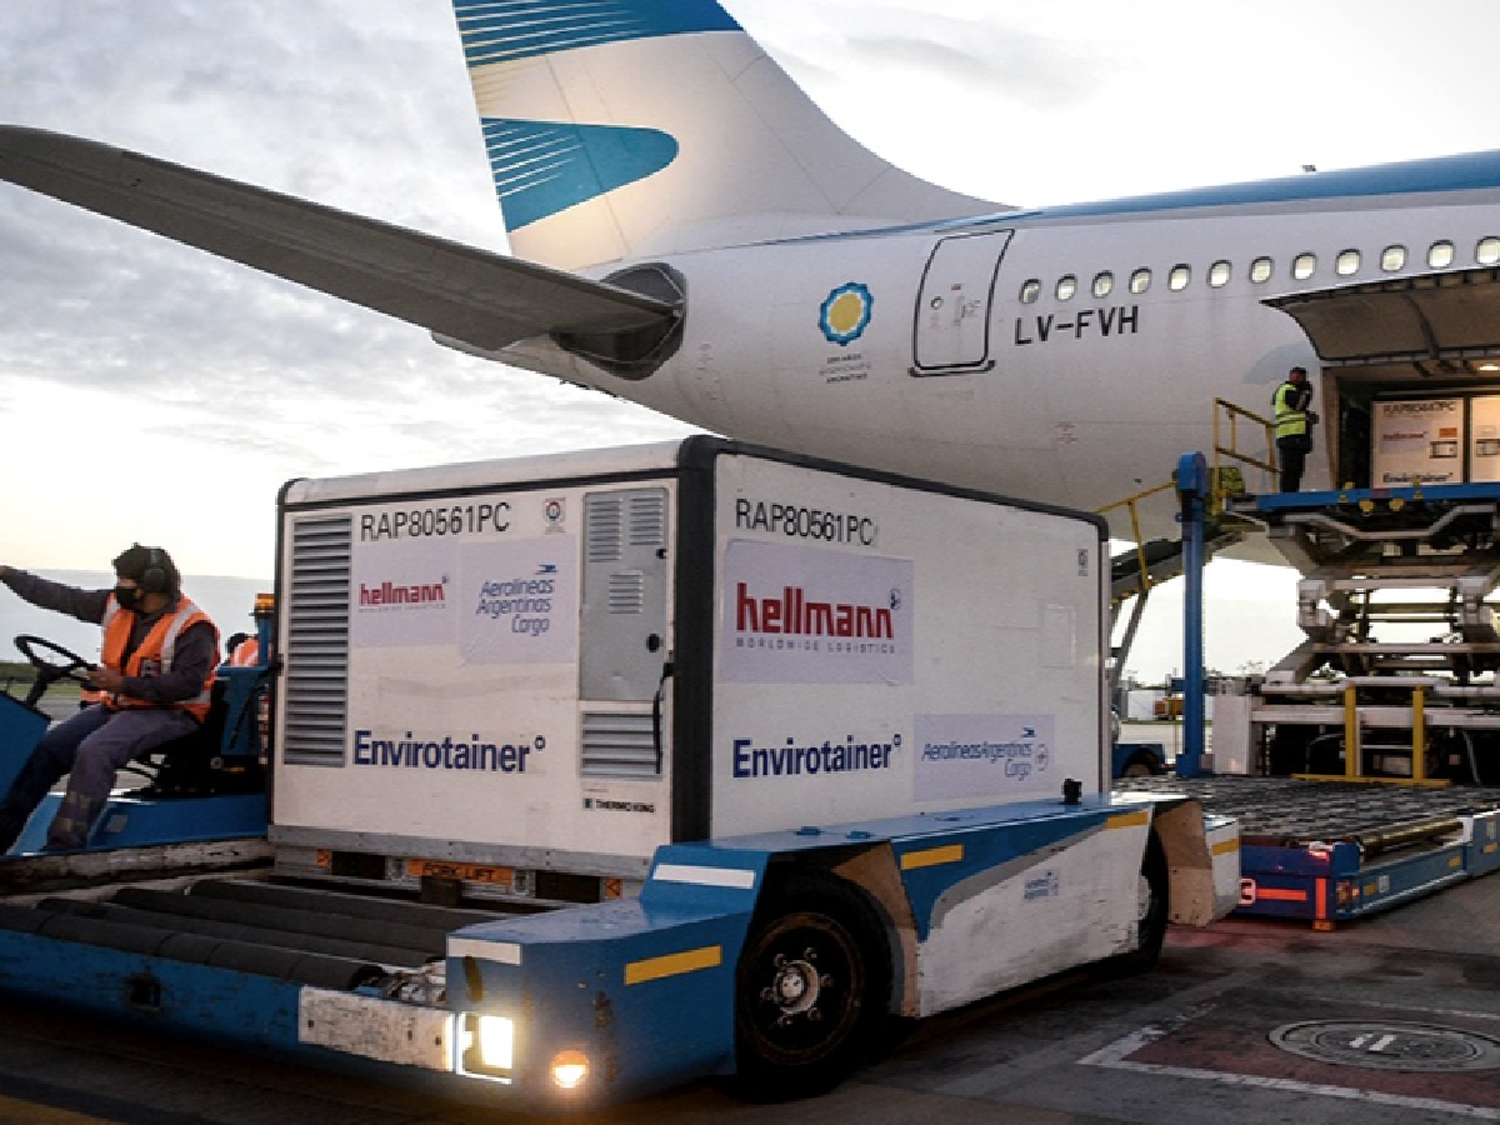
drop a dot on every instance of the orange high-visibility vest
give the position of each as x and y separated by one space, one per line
246 654
158 648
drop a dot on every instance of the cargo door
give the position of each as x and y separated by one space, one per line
952 335
1418 351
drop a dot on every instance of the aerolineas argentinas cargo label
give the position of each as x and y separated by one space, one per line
792 614
985 756
500 602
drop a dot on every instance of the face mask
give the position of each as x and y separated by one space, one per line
129 597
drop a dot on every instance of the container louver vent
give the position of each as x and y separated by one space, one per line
627 592
648 519
619 744
316 648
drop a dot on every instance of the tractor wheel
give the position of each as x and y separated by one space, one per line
812 988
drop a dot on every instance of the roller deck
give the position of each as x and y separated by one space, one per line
248 920
1328 852
233 959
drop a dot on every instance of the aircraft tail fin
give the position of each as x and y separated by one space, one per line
626 128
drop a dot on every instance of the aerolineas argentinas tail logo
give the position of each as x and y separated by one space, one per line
799 615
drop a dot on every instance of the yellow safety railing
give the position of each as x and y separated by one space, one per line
1226 480
1132 504
1354 743
1227 417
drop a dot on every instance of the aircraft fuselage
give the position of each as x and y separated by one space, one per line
1050 354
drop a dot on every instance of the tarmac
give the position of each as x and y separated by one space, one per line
1394 1018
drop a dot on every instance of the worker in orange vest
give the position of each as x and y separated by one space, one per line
244 651
156 670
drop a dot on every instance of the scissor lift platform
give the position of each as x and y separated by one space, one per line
1327 852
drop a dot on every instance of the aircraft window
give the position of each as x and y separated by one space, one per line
1392 258
1347 263
1487 253
1104 283
1304 266
1140 281
1440 255
1260 270
1179 278
1030 291
1218 274
1066 287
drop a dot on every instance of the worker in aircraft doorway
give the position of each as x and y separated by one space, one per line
1294 423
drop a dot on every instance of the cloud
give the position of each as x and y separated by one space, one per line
132 359
984 59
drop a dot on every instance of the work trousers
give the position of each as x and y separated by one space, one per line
90 747
1292 453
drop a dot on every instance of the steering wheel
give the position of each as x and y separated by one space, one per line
70 666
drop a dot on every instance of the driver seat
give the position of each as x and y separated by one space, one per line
194 764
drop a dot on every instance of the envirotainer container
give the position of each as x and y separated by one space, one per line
524 675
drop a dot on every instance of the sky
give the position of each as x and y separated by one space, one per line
151 392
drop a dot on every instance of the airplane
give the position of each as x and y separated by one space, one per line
690 232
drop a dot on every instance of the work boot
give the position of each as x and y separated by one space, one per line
11 826
70 827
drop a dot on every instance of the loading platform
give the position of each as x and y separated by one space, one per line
1327 852
1395 679
1361 767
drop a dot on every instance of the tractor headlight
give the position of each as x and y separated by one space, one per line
569 1069
487 1046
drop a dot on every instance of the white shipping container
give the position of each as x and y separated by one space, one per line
1484 438
559 663
1418 441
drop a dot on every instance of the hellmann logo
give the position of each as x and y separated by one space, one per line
390 593
793 613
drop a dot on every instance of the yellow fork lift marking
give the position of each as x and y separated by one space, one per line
931 857
673 964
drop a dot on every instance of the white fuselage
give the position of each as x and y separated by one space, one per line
1080 401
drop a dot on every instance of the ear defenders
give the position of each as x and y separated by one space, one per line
155 579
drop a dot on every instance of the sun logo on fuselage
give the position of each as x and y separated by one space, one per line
845 313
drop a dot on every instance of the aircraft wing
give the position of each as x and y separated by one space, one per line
1436 323
469 295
